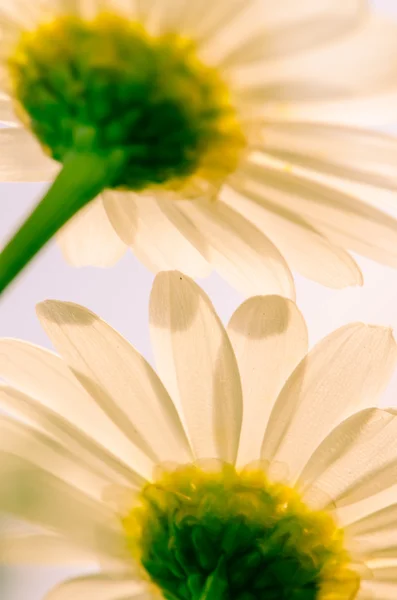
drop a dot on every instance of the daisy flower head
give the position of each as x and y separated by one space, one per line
254 469
201 134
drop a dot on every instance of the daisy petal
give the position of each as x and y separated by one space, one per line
386 574
383 520
364 467
197 363
218 16
355 92
242 254
304 248
41 549
355 224
96 457
49 455
103 586
89 238
346 152
27 14
34 165
269 338
119 378
290 29
62 403
345 458
287 11
36 496
349 368
373 590
373 539
7 114
158 233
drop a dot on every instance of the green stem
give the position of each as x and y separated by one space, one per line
81 179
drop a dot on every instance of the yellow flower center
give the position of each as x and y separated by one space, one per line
234 535
106 86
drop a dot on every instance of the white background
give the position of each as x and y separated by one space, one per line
120 296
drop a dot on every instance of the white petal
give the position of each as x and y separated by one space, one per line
97 458
287 11
269 338
348 368
376 109
51 456
7 114
22 159
216 17
345 151
102 586
36 496
158 233
40 550
350 80
197 363
63 403
329 208
119 378
376 522
89 238
373 539
243 255
19 14
161 16
372 590
365 469
386 574
350 459
275 23
304 248
284 29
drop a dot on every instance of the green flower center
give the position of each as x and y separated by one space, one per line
106 85
232 535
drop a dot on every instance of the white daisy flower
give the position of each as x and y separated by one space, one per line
268 474
249 110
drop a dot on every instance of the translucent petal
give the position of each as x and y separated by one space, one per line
43 375
357 225
89 238
346 152
103 586
359 459
355 72
375 522
22 159
41 550
197 363
285 29
36 496
349 368
269 338
119 378
243 255
378 591
51 456
94 455
158 233
304 247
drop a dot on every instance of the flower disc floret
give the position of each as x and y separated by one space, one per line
236 536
